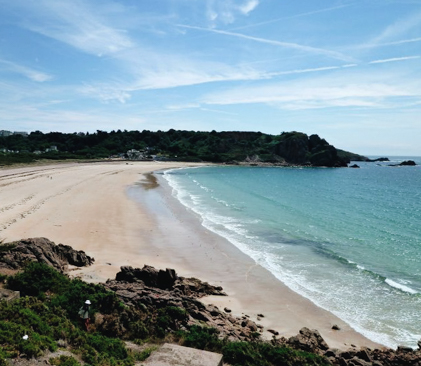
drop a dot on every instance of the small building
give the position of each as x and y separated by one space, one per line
22 133
51 148
135 155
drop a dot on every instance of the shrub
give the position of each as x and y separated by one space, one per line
38 278
203 338
64 361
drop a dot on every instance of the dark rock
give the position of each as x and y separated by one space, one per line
408 162
358 362
405 163
260 315
309 340
376 160
274 332
354 166
404 349
335 327
363 355
227 310
342 362
44 251
331 353
297 148
347 355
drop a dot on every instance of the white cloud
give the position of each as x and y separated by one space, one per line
226 11
30 73
248 6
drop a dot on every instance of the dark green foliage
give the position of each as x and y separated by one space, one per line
248 353
294 147
64 361
168 318
6 247
49 318
47 278
202 338
15 158
142 356
54 318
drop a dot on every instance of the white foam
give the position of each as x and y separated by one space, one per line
399 286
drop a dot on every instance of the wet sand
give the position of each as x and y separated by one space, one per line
121 214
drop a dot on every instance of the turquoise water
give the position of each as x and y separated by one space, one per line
347 239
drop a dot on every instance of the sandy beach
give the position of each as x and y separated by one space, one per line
120 214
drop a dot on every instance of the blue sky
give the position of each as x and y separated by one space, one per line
349 71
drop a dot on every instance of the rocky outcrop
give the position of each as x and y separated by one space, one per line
405 163
311 341
15 255
297 148
167 280
152 289
376 160
408 163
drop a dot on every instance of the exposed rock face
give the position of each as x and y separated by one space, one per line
16 254
298 148
308 340
152 289
167 280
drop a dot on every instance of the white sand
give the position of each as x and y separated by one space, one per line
97 208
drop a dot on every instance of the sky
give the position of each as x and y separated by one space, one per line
349 71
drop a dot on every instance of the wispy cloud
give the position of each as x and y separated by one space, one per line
30 73
396 59
399 28
270 21
395 43
296 46
324 92
76 24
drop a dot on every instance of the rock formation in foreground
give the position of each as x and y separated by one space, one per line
150 290
155 289
14 255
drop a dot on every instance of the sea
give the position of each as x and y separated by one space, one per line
347 239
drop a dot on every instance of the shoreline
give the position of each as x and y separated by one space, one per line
120 215
251 289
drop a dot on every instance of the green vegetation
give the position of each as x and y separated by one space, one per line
48 316
294 147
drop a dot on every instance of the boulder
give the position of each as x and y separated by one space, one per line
309 340
16 254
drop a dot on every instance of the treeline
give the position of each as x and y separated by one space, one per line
227 147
